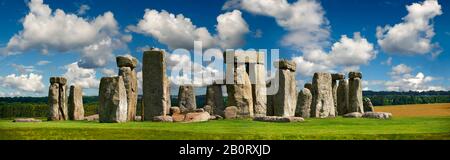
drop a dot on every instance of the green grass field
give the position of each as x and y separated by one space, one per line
339 128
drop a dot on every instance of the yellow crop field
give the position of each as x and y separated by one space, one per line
417 110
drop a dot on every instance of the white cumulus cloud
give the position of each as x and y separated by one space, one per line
83 77
26 83
414 35
309 32
47 30
178 31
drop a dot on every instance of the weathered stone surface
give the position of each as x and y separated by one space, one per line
377 115
178 117
355 96
231 112
126 61
208 109
214 99
278 119
355 75
285 101
323 105
259 90
240 93
155 84
252 57
337 76
353 115
26 120
57 99
334 88
186 99
162 119
368 106
304 103
60 80
197 117
131 85
285 64
94 117
53 101
198 110
113 100
269 109
76 110
342 97
175 110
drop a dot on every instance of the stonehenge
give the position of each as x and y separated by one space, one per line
328 96
355 97
156 96
186 99
57 99
76 110
323 104
127 65
285 101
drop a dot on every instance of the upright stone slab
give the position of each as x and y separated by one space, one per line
240 93
368 106
186 99
334 85
76 110
323 105
113 100
53 101
155 84
355 96
127 65
304 103
342 97
285 101
214 98
259 90
57 99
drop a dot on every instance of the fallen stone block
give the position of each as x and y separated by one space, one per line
278 119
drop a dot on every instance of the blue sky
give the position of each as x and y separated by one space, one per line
388 61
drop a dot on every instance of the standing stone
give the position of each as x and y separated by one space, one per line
57 99
76 110
323 105
155 84
127 65
368 106
53 101
231 112
214 98
186 99
269 108
113 100
304 103
334 85
342 97
285 101
240 92
259 89
355 96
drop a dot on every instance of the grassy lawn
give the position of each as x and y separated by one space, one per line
339 128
